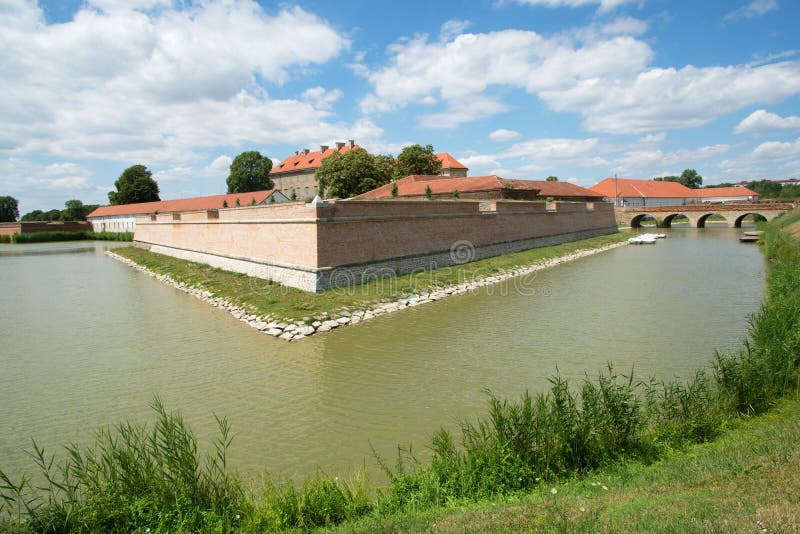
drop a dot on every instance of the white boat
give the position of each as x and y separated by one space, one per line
644 239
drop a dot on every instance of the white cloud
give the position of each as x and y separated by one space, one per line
648 162
45 186
604 5
625 26
463 110
771 159
652 138
659 99
503 135
158 86
222 164
607 80
321 98
452 28
756 8
761 121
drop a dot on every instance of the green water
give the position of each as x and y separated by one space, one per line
87 341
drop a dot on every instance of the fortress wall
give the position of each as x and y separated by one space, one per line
344 242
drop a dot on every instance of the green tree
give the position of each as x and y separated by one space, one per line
53 215
9 209
293 196
690 178
428 192
347 174
385 164
249 172
766 188
552 178
394 189
76 211
134 185
416 159
456 194
35 215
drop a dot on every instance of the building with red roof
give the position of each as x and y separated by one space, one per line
122 217
298 172
641 193
480 188
450 165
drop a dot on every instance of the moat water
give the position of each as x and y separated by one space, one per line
87 341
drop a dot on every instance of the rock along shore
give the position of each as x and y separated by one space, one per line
292 330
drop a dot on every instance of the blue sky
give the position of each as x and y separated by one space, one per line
580 89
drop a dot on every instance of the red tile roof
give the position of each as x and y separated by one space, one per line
707 192
413 186
312 160
183 204
563 189
622 187
449 162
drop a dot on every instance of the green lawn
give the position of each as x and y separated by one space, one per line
267 298
746 481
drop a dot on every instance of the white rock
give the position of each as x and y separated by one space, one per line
331 324
305 330
324 328
343 320
288 336
275 331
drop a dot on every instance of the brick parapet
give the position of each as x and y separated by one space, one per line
304 246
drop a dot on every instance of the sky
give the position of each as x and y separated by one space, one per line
578 89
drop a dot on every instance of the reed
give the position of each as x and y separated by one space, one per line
43 237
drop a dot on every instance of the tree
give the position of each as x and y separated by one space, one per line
293 196
416 159
766 188
394 189
347 174
53 215
249 172
9 209
552 178
428 192
689 178
385 164
75 211
134 185
35 215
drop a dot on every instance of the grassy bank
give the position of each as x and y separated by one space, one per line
746 481
623 448
263 297
44 237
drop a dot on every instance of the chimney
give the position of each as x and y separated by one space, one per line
323 148
352 143
296 152
339 145
306 151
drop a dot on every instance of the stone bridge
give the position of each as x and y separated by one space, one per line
698 214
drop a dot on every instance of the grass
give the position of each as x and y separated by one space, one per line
43 237
746 481
269 298
717 452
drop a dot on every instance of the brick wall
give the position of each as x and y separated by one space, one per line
345 234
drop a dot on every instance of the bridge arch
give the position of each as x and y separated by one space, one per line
701 221
757 217
636 222
669 219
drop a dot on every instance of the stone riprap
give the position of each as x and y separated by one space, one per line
296 329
